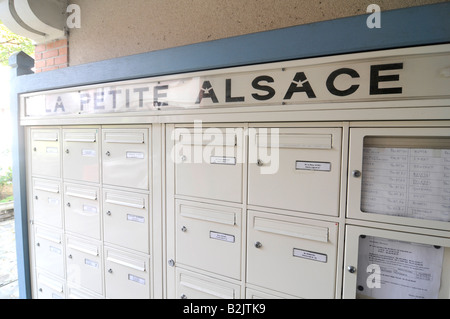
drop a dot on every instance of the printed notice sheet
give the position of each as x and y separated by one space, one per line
391 269
407 182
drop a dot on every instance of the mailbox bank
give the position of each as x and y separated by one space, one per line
316 178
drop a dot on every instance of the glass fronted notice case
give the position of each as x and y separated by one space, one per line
408 177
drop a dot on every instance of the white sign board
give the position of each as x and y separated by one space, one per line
299 82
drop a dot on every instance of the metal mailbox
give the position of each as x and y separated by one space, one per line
208 237
306 170
81 155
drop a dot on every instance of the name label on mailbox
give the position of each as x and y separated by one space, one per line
312 166
310 255
223 160
222 237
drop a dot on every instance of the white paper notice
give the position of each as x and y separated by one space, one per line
391 269
406 182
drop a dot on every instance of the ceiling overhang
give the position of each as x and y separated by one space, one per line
39 20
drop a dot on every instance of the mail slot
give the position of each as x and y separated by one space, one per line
257 294
292 255
126 157
208 237
82 210
209 163
126 219
295 169
81 155
191 285
49 251
127 275
74 292
84 264
45 152
47 202
49 287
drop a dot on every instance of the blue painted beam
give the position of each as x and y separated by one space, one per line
21 64
423 25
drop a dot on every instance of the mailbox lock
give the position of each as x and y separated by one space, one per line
258 244
36 197
351 269
108 213
183 229
70 257
67 151
171 263
108 153
259 163
183 296
68 204
356 173
110 270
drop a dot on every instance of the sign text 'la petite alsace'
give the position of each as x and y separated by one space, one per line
318 84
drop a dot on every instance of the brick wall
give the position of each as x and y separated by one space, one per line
51 56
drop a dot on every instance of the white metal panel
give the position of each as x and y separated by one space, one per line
81 155
47 202
45 152
209 164
125 159
191 285
292 255
127 219
49 287
82 210
127 276
208 237
295 169
84 264
49 251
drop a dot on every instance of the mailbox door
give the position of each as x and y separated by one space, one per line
81 155
126 157
209 164
47 202
295 169
82 210
84 264
191 285
49 287
127 219
292 255
127 275
46 152
208 237
49 251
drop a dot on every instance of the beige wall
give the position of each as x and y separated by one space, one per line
114 28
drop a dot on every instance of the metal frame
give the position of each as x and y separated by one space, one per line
425 25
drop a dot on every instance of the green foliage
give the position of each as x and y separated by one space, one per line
5 178
11 43
7 199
